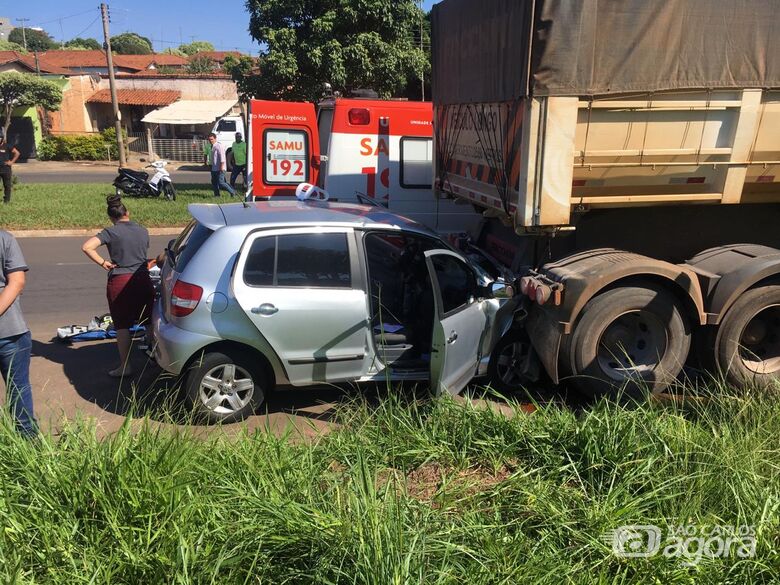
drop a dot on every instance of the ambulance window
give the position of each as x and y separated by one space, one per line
286 156
325 123
416 163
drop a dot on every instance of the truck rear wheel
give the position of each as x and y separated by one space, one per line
628 340
747 344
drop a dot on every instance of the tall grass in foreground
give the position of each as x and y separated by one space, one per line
401 492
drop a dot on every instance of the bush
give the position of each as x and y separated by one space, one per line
79 147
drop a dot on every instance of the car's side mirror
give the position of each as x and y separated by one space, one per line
502 290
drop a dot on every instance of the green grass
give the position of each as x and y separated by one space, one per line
401 492
73 206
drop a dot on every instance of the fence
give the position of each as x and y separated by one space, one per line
178 149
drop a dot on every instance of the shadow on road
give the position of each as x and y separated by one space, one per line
157 394
194 168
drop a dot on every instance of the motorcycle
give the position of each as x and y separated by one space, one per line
137 183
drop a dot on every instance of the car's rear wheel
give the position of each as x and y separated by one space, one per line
224 387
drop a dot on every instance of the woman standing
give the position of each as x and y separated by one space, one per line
130 292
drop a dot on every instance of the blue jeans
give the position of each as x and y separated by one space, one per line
15 367
218 182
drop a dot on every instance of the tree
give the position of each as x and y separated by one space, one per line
172 51
9 46
201 65
83 44
190 49
37 40
350 44
25 89
131 44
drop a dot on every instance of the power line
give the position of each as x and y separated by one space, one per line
59 18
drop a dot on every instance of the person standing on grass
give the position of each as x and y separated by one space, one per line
8 156
218 167
129 290
239 160
15 338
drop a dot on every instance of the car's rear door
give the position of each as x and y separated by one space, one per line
303 290
460 325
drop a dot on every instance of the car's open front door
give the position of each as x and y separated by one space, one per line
284 148
459 325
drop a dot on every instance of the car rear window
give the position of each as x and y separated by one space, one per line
299 260
188 243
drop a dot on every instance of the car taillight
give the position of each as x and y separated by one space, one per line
359 116
184 298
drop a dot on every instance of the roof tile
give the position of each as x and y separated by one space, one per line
137 97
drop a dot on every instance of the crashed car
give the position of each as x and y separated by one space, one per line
257 295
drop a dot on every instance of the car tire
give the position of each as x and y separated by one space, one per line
210 394
512 367
627 342
747 343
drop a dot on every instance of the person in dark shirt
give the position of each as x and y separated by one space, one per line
8 156
129 291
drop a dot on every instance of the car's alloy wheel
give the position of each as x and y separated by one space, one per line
225 388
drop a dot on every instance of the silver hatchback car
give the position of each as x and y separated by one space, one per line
300 293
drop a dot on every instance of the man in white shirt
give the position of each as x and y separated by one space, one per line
218 167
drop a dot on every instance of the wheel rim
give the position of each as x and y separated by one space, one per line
632 346
759 342
511 361
226 389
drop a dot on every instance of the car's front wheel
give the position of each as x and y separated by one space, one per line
225 387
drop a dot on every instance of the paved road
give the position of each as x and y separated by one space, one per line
64 287
57 172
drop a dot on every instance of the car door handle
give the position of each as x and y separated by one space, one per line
453 337
266 309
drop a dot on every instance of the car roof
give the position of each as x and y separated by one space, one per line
301 213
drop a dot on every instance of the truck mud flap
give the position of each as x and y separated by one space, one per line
546 339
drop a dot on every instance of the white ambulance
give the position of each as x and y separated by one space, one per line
358 150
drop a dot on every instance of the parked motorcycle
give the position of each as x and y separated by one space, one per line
137 183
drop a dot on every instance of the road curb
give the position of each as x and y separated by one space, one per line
158 231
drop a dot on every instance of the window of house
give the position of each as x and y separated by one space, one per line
416 163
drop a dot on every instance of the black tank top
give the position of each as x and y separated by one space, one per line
5 152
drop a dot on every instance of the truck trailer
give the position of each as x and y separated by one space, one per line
625 157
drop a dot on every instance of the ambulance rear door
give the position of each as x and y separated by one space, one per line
284 147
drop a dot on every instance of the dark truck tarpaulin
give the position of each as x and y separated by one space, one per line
502 50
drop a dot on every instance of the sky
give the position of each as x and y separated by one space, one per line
168 23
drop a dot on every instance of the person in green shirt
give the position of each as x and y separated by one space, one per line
207 153
238 150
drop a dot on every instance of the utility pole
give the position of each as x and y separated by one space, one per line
24 36
422 74
112 84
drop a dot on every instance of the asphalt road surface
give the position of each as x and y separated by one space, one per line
57 172
69 381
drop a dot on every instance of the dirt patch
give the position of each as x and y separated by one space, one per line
430 481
